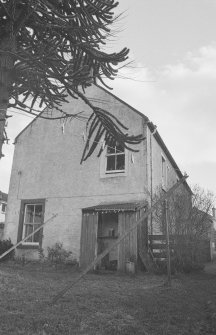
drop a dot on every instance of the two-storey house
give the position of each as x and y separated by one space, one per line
95 201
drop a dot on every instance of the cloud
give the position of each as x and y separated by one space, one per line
180 99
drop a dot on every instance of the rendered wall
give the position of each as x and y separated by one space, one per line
154 176
47 166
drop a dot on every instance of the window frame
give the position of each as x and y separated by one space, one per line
163 172
115 155
3 204
21 230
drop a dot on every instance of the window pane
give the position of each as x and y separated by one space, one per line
110 163
38 214
36 236
28 230
119 148
3 208
29 214
120 164
110 150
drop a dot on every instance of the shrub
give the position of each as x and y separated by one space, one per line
57 254
4 246
161 267
178 265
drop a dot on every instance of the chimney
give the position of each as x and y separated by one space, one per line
213 212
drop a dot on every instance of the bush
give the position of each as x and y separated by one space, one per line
161 267
57 254
4 246
185 265
193 267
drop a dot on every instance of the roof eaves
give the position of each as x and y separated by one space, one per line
122 101
28 125
168 154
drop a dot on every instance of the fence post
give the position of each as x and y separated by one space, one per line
167 244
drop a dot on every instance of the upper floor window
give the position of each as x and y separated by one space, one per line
115 159
3 209
163 172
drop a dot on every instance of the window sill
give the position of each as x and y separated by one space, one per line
108 237
113 174
28 246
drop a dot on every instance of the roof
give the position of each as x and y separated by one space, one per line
203 213
117 207
3 196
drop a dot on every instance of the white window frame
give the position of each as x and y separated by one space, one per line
24 223
115 154
113 174
3 204
163 172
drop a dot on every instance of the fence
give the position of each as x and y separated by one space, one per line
186 246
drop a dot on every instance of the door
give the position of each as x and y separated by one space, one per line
88 241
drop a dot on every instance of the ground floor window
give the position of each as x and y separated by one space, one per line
32 216
3 208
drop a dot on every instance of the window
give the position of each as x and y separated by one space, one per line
167 176
32 216
111 232
4 208
163 172
115 159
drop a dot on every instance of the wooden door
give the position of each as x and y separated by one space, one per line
128 246
88 241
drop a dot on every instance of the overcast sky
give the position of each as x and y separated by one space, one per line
172 80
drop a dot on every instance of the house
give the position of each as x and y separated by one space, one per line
3 206
96 201
205 224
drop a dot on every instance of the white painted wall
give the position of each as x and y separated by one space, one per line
47 165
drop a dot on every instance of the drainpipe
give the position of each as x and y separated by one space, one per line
151 175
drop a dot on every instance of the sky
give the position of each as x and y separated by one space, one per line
172 80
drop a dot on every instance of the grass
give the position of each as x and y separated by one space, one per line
104 304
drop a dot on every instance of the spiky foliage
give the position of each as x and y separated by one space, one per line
51 49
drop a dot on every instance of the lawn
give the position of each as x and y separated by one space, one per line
104 304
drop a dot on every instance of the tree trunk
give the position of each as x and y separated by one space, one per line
6 65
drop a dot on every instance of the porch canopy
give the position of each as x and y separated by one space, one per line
126 214
116 207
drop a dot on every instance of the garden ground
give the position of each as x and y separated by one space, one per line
105 304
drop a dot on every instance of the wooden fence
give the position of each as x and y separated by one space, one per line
199 249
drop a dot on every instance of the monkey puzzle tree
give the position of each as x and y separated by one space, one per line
51 49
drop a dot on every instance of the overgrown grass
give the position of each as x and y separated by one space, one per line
104 304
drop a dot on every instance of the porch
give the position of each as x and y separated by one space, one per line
103 224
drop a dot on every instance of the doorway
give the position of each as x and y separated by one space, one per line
106 236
